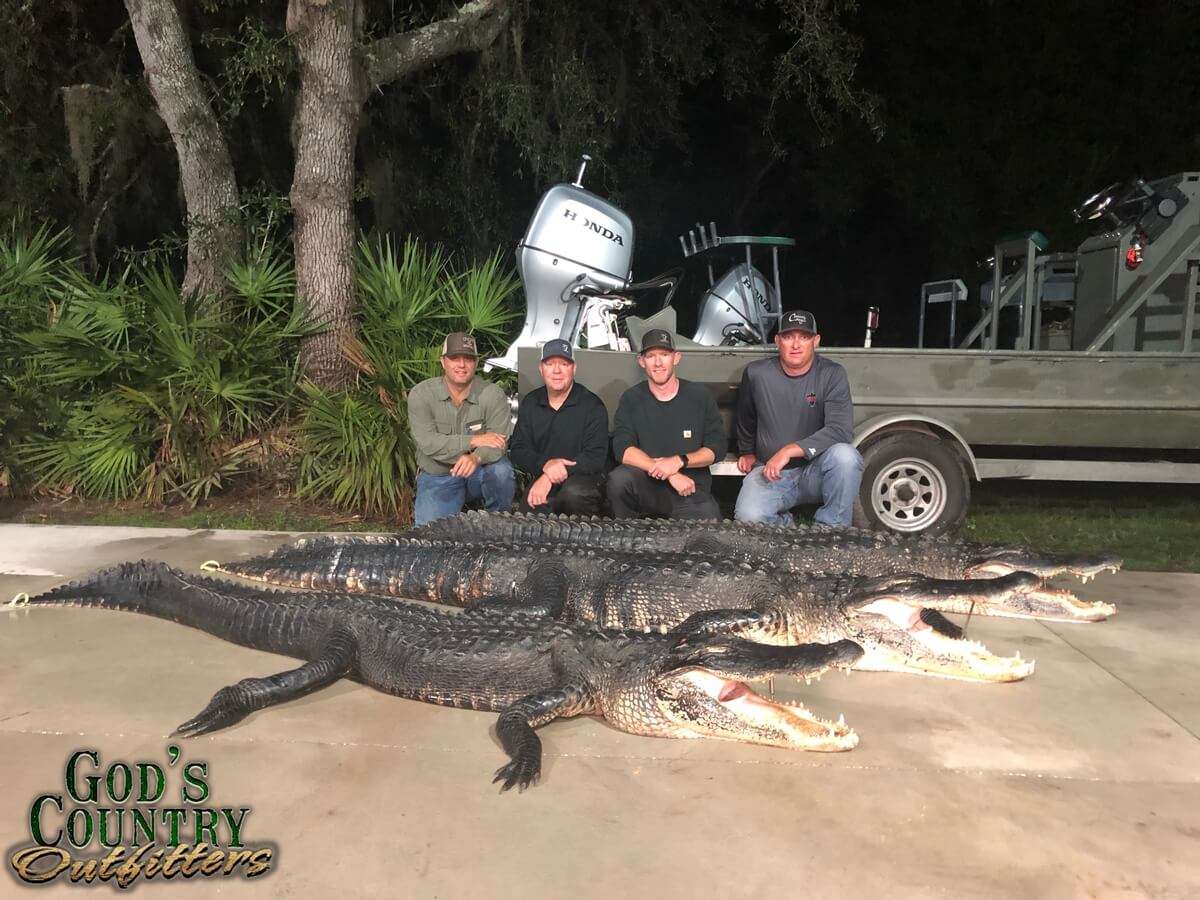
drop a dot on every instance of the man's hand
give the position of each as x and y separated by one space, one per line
465 465
746 462
489 439
774 466
556 470
664 467
682 484
539 491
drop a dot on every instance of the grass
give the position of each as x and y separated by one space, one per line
1154 527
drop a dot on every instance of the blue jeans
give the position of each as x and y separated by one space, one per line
439 496
831 479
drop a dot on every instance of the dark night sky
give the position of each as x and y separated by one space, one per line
1001 117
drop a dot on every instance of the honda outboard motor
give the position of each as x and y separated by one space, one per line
737 309
575 241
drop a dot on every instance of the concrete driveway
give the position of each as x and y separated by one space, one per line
1083 781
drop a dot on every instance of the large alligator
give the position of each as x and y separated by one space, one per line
446 569
813 549
894 618
527 667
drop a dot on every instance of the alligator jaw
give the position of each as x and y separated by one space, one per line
928 652
1043 603
1006 560
724 708
1016 595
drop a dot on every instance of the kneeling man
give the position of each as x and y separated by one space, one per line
666 434
460 426
795 421
561 438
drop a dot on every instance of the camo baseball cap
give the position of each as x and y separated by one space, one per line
657 338
459 343
798 320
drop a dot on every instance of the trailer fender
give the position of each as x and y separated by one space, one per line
873 429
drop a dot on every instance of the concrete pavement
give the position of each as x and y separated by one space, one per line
1083 781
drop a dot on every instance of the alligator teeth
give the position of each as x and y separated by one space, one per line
841 720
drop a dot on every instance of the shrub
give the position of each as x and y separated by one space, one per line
159 396
358 449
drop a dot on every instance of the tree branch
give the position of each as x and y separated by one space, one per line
475 26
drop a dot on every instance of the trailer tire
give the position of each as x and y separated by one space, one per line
912 483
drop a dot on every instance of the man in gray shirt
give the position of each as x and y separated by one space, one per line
795 421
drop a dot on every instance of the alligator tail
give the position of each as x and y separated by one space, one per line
155 589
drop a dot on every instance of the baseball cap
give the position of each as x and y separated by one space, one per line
459 343
558 347
657 338
798 320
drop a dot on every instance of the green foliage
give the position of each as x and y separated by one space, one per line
358 451
156 395
35 276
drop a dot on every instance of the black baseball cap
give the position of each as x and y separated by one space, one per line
558 347
657 338
798 320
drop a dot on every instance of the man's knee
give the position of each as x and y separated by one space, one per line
621 479
579 495
842 458
499 483
500 473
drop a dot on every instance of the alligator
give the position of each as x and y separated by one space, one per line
529 668
816 548
444 569
896 619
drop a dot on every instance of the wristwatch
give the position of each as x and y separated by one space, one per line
683 459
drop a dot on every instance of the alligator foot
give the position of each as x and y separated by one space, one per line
515 730
519 773
231 704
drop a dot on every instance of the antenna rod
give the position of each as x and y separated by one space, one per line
583 165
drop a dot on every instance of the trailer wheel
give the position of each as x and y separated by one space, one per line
912 482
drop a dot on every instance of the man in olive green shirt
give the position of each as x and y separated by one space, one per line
460 426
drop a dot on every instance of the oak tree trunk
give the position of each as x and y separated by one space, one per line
337 72
324 131
205 168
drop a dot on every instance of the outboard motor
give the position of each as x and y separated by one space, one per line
575 265
577 245
739 309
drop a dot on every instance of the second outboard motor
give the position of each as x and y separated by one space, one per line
574 241
737 309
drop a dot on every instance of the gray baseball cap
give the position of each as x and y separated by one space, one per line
798 320
560 348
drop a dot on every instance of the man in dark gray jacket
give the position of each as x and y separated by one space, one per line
795 421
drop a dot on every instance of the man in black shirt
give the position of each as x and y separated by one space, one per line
666 434
561 438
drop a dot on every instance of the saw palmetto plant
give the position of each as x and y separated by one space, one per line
158 395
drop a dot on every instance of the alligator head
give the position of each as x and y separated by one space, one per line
1015 595
897 621
697 688
988 560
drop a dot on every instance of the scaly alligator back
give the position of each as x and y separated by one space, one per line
815 549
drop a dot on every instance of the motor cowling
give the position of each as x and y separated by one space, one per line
733 309
575 239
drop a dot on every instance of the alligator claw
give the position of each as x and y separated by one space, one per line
221 712
518 773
